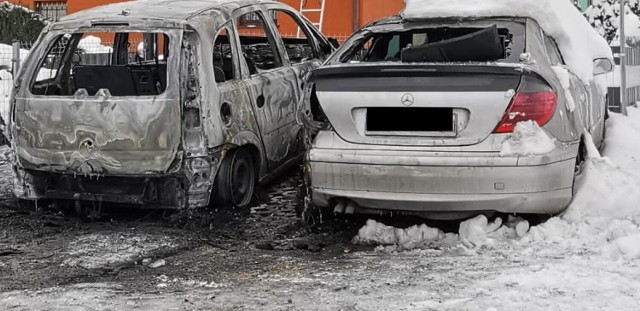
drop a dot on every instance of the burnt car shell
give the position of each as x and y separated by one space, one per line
159 148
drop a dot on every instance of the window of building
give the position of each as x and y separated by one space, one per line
251 19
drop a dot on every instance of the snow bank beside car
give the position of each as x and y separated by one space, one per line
579 43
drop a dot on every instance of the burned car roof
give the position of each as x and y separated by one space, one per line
161 9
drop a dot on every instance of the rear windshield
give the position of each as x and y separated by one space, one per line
122 64
485 41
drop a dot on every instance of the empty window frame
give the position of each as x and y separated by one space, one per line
298 46
258 45
224 61
466 42
124 64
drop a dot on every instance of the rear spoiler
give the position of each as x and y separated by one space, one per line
411 70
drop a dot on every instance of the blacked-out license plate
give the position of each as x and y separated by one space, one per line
410 119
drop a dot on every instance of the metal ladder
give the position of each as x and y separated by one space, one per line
315 10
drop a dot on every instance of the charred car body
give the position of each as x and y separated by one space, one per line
410 116
202 108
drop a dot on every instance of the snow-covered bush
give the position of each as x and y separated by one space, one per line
604 16
19 23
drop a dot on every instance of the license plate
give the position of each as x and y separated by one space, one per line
399 120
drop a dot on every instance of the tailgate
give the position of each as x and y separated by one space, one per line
130 136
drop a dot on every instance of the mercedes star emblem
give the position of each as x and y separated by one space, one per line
407 99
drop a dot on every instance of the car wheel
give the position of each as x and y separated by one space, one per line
236 178
581 158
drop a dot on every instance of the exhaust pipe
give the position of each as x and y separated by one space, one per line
339 208
351 208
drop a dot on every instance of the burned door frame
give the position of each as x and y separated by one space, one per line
301 70
274 103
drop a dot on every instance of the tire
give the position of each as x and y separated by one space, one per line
581 158
236 180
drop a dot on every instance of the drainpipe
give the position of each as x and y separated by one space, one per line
356 14
623 61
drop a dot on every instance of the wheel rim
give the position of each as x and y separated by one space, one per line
241 183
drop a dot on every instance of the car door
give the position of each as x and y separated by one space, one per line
583 112
301 47
271 83
301 51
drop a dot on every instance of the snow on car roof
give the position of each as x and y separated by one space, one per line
579 43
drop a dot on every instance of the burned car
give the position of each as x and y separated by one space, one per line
424 116
182 104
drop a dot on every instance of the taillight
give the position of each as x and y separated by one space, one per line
537 106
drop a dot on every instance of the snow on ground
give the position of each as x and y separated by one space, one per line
97 250
579 43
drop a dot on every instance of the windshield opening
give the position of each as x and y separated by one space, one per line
120 63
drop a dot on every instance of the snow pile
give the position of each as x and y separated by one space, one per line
375 233
565 80
579 43
527 139
605 213
93 45
472 233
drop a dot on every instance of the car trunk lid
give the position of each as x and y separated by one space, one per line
416 104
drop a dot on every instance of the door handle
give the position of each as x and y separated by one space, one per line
260 101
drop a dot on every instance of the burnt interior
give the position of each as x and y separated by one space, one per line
258 54
119 66
465 42
459 44
409 119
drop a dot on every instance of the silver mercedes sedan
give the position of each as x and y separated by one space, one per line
446 119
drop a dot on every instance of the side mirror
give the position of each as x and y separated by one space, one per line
602 66
8 69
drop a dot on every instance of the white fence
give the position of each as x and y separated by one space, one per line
7 55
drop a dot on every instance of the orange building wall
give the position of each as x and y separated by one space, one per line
371 10
338 18
79 5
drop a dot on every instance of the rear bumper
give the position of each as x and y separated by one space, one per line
428 181
147 192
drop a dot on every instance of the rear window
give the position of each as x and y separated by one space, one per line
485 41
122 64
